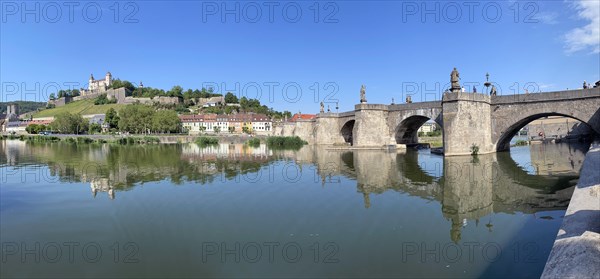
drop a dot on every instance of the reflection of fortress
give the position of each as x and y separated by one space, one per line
102 185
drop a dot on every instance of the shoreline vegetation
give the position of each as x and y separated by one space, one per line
274 142
433 141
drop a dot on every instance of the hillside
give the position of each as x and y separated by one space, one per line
83 107
24 106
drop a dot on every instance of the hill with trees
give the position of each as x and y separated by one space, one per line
24 106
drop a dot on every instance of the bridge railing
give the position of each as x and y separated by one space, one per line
547 96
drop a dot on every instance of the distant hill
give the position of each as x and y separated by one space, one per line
24 106
83 107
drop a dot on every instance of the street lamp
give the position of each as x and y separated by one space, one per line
487 82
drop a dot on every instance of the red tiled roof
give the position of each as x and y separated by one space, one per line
298 116
240 117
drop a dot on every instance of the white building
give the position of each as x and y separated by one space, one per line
261 123
428 127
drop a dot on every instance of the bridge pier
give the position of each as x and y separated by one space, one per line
327 129
371 127
467 122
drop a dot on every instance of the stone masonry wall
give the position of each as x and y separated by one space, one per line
467 122
371 127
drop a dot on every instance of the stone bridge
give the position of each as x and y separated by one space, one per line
467 119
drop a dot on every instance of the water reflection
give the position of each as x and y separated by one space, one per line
364 200
467 187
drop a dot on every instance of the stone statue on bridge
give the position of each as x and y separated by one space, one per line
322 107
408 99
454 78
363 98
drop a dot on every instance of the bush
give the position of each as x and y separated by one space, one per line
254 142
103 100
434 134
151 140
521 142
285 142
204 141
82 140
43 138
136 140
474 149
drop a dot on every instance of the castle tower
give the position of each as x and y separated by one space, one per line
12 109
108 79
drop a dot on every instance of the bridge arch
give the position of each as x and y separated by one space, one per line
347 131
509 132
406 132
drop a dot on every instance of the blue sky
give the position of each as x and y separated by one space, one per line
393 47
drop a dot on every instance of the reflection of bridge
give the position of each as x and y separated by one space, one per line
468 190
467 119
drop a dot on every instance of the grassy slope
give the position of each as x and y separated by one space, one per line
84 107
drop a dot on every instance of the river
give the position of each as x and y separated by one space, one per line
71 210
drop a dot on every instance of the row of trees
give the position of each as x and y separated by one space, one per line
37 128
191 97
246 105
138 119
65 93
175 91
141 119
68 123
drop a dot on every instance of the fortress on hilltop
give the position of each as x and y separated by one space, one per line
98 85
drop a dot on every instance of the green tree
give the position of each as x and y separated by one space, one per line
68 123
228 109
32 129
230 98
166 121
244 103
94 128
117 83
136 118
176 91
52 96
231 130
217 129
189 94
112 119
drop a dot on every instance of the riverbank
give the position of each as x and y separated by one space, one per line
576 252
433 142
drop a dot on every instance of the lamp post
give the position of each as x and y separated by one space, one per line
487 83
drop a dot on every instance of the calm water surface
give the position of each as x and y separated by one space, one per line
232 211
